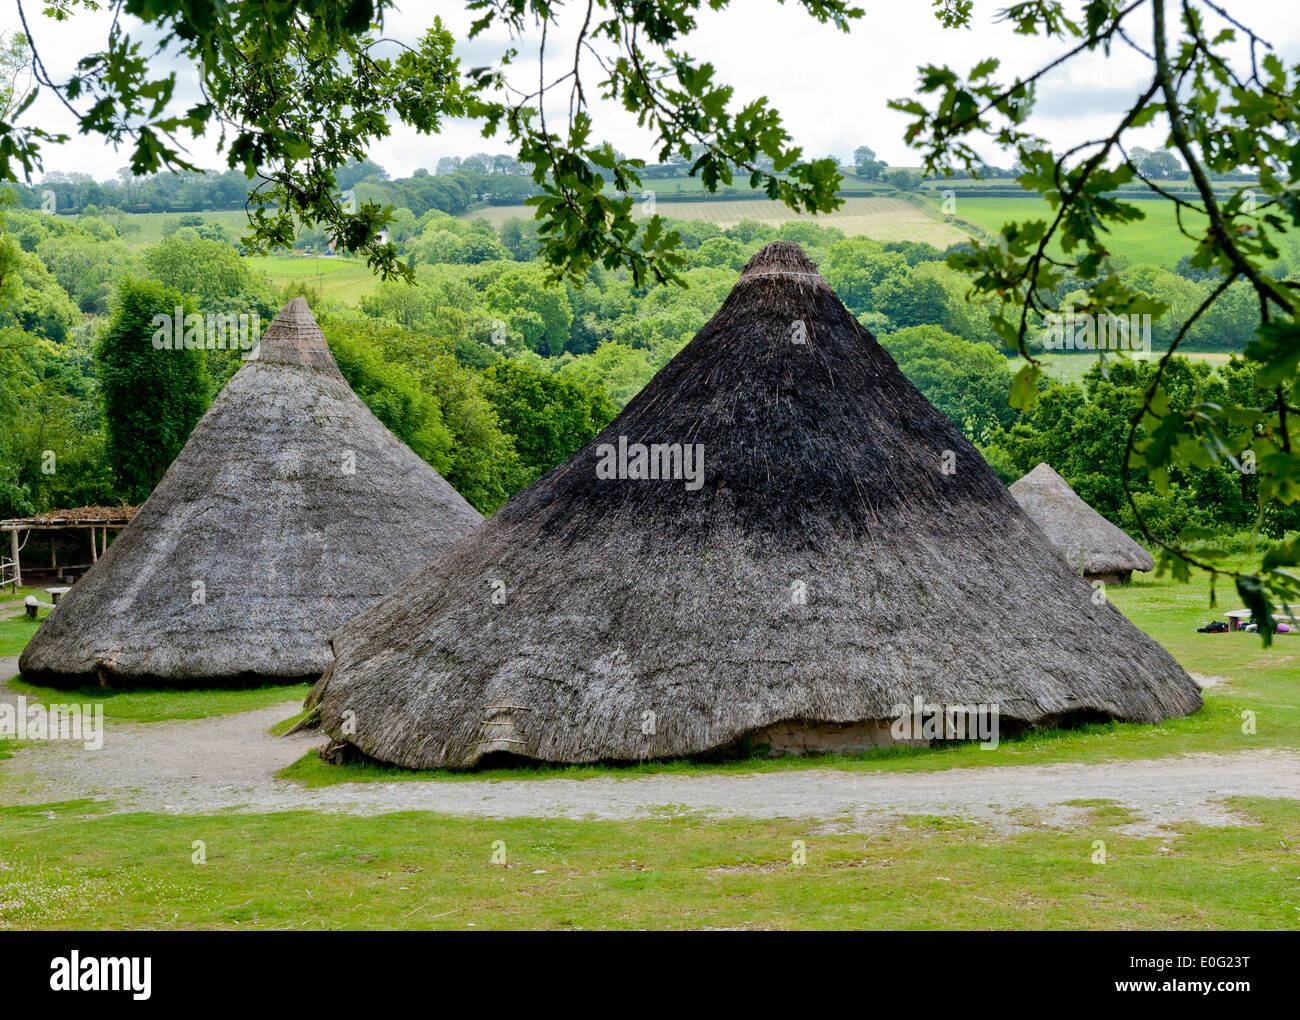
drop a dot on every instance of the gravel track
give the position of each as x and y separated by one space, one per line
229 762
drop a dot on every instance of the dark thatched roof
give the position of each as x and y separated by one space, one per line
824 478
291 506
1090 543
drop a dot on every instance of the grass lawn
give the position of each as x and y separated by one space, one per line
77 865
16 631
159 705
69 866
141 706
135 706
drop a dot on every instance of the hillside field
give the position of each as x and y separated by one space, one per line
1073 367
334 277
882 219
151 225
1154 238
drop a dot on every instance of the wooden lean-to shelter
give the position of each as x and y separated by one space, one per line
97 521
290 510
1092 545
843 551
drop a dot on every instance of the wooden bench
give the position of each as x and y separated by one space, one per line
32 606
1238 617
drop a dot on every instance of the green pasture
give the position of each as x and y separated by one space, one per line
1153 239
335 277
1072 366
882 219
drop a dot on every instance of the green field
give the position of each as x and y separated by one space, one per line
691 186
882 219
1154 239
1071 367
151 225
334 277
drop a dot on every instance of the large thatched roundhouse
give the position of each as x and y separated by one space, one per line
1091 544
290 510
843 551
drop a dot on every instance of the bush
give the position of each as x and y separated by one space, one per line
152 399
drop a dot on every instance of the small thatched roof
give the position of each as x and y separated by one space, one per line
77 516
290 510
847 551
1090 543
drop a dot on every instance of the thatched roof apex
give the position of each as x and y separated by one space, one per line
843 550
290 510
782 259
1090 543
294 338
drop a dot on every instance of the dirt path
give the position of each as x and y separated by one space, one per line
229 762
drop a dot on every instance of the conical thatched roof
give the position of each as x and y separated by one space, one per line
827 571
290 510
1091 544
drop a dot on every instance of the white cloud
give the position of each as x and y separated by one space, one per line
831 88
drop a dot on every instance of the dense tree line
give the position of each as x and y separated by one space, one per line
1080 430
481 178
494 374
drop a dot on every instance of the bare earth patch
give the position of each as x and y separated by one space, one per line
229 762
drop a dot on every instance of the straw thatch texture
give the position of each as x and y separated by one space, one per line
83 514
290 510
1090 543
824 474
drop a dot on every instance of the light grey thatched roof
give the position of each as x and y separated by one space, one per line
290 509
1089 542
848 550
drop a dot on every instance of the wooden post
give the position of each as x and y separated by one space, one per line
54 562
94 556
18 570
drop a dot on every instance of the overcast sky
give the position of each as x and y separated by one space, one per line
831 88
